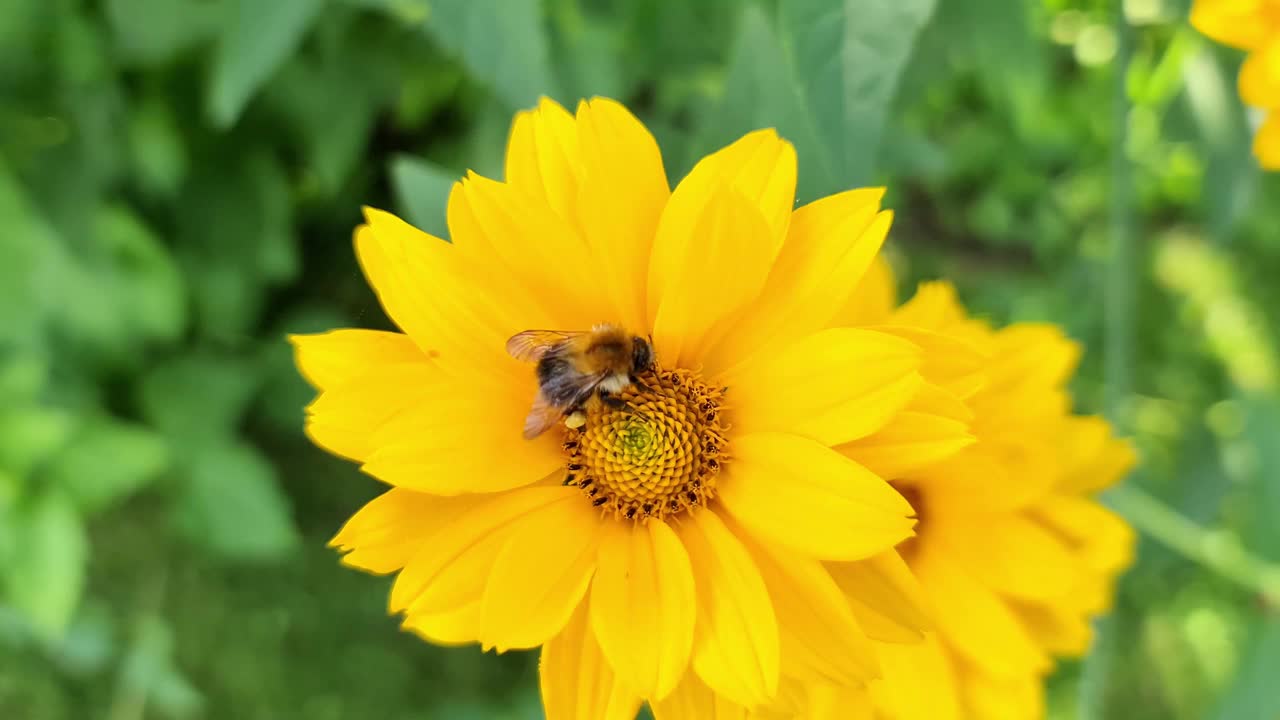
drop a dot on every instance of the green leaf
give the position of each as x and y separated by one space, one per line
256 38
106 461
503 43
154 32
197 399
232 505
156 144
148 671
144 281
30 434
846 59
422 192
44 577
1253 693
761 91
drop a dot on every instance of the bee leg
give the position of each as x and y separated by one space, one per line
613 401
639 385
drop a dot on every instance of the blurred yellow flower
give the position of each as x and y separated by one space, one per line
674 554
1254 26
1013 555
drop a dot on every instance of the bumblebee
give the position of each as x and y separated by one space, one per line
574 366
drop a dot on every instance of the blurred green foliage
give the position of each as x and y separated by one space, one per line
178 184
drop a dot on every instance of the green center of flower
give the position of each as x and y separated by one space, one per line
655 453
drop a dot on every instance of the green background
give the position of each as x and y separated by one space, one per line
178 184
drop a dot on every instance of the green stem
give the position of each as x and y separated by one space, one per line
1118 339
1220 552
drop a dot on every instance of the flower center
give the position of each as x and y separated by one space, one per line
652 451
908 548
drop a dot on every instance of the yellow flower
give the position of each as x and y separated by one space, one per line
1013 555
672 550
1252 25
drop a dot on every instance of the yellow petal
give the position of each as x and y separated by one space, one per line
544 254
953 363
386 533
839 702
459 626
643 606
1238 23
453 566
885 597
542 156
1062 631
332 358
1031 355
873 300
761 169
1260 76
1266 144
464 437
712 281
1009 553
793 491
919 682
538 579
820 639
577 683
735 648
910 441
693 700
1003 697
833 386
829 246
1094 460
981 478
347 417
973 619
1102 538
431 292
621 198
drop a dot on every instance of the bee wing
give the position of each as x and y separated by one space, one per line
541 417
531 345
543 414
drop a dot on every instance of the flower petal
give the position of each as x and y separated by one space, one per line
346 418
953 363
543 253
452 567
542 156
820 639
465 438
643 606
1062 631
541 576
833 386
974 620
873 300
1260 76
621 198
577 682
459 626
910 668
1232 22
1002 696
735 648
692 700
1008 553
1102 538
910 441
332 358
795 492
760 168
829 246
885 597
713 280
385 534
1266 144
432 293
